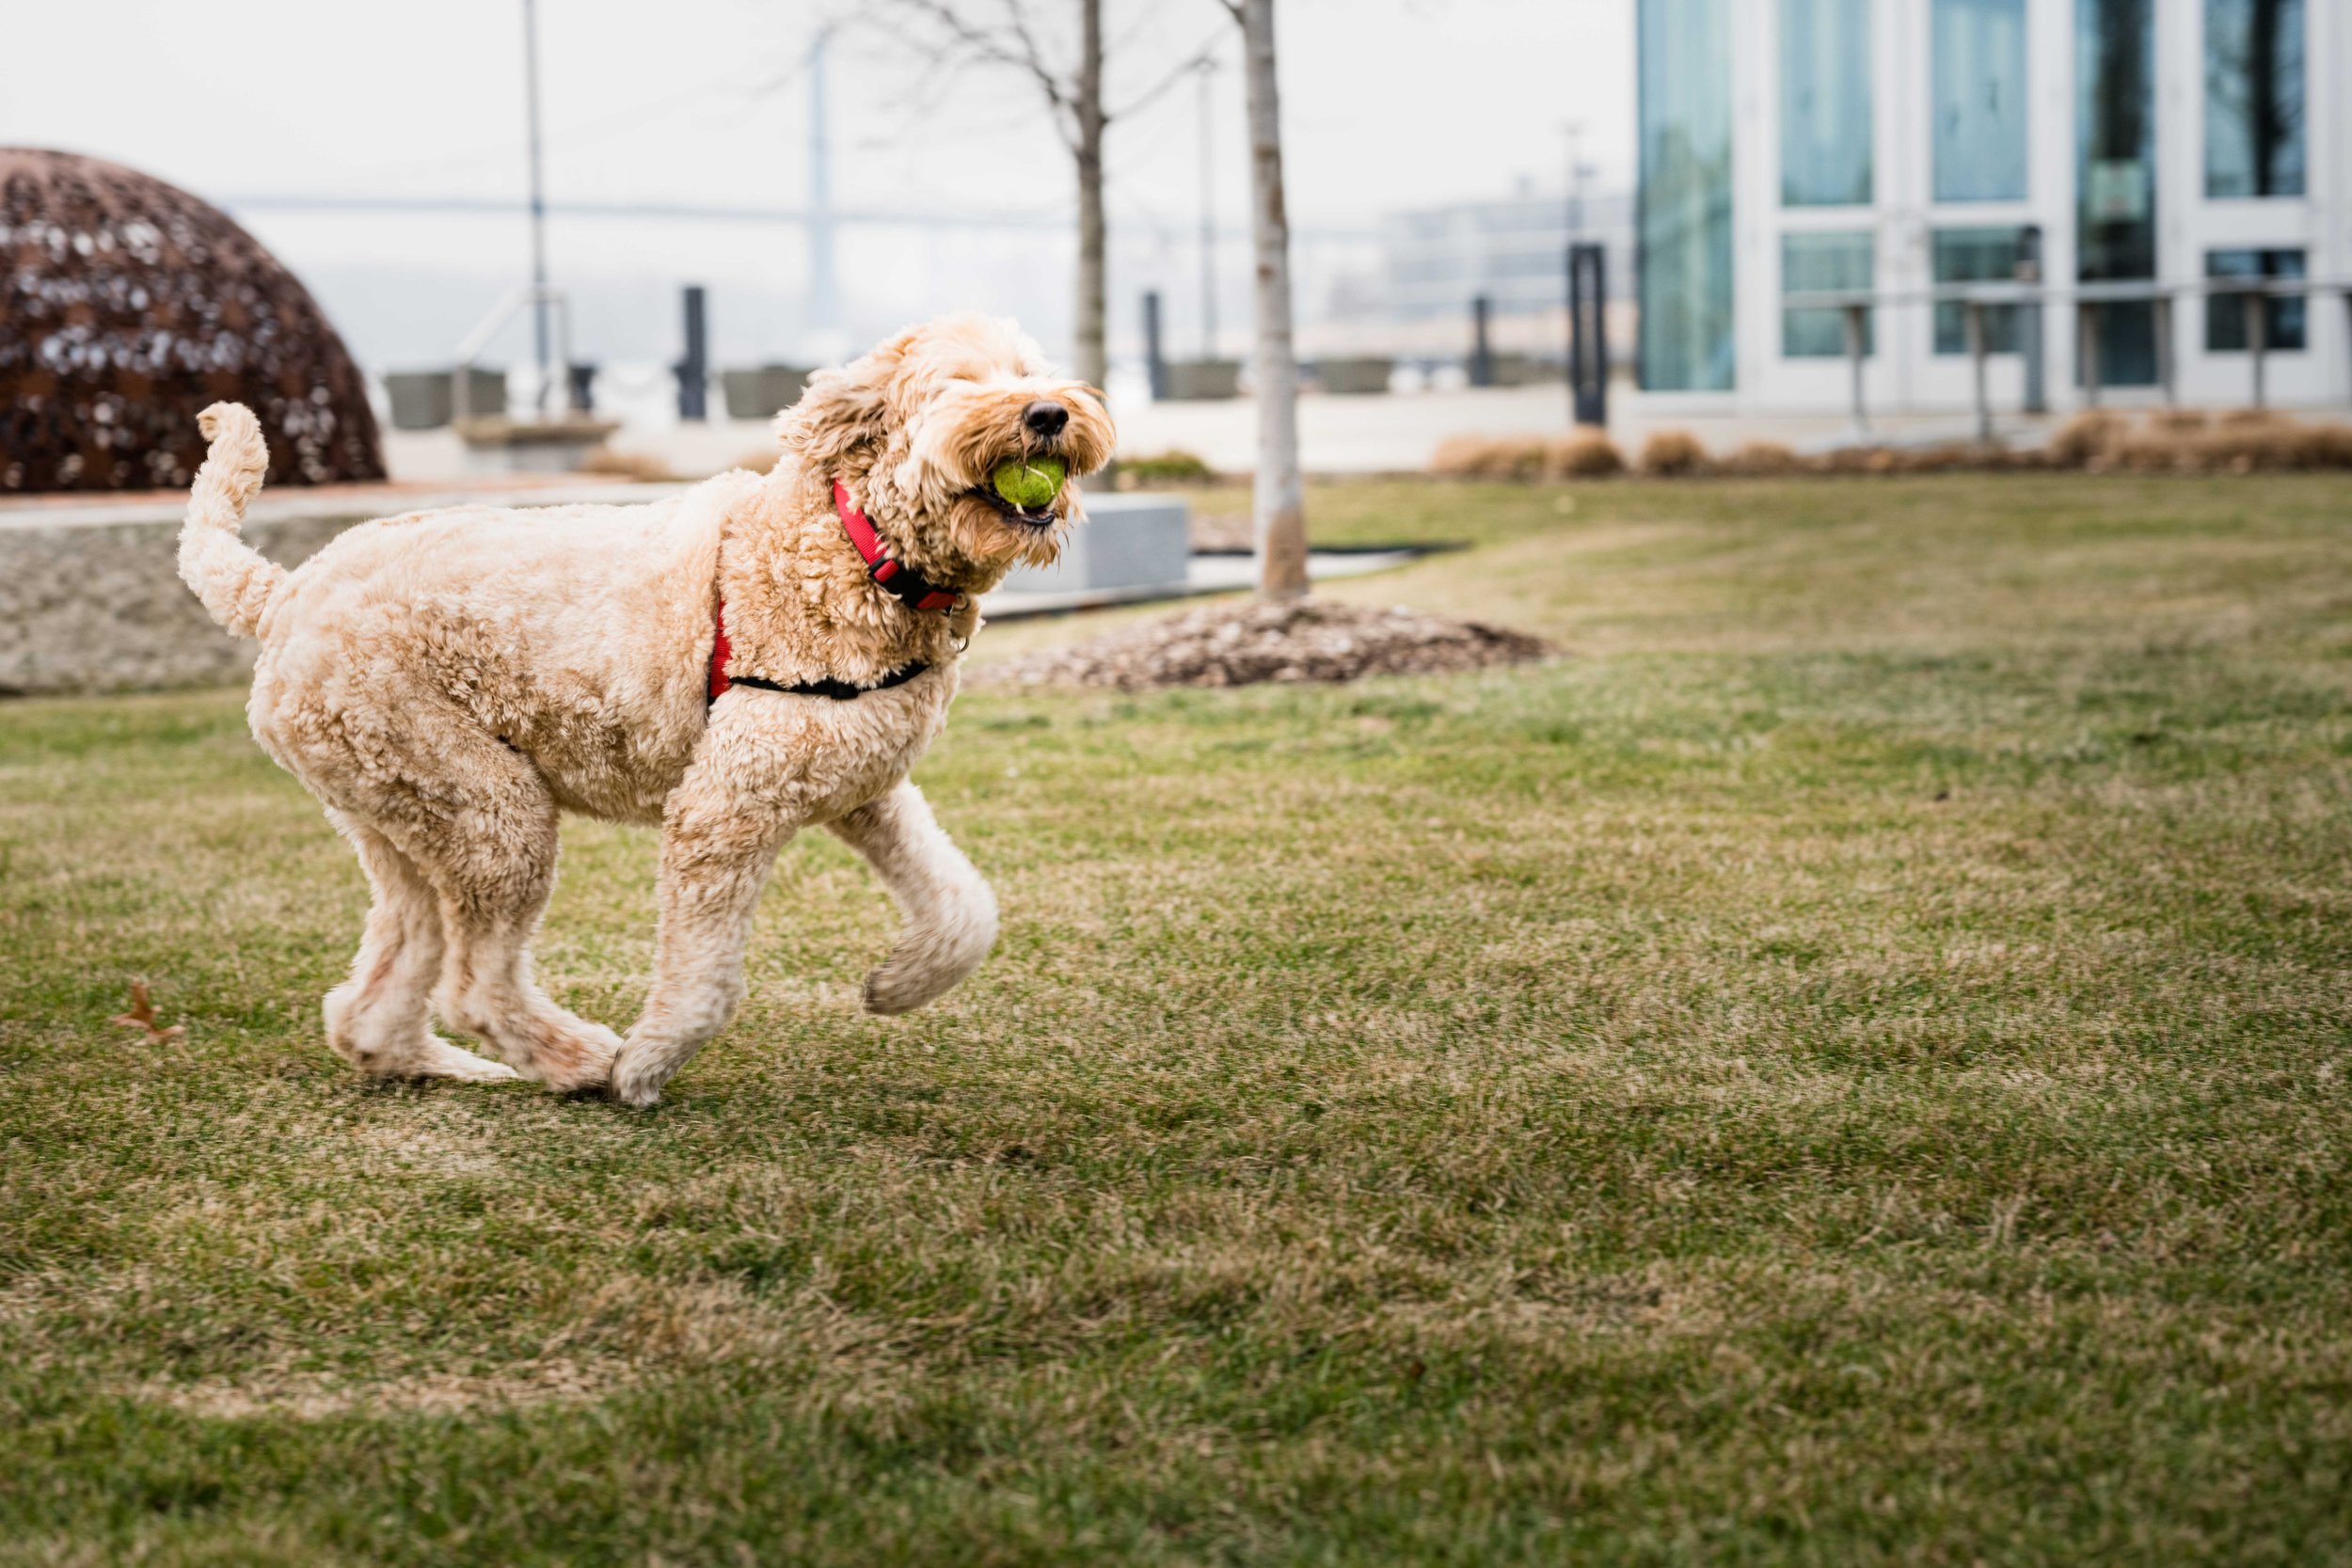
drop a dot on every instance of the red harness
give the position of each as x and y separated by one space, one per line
901 582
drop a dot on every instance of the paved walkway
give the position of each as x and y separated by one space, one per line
1208 574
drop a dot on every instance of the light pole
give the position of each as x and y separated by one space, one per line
1575 219
824 300
538 205
1208 218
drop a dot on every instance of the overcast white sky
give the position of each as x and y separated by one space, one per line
1387 104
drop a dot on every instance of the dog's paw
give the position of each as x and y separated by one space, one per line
586 1064
895 988
441 1059
638 1090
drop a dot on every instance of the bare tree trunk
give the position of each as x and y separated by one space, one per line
1281 499
1093 361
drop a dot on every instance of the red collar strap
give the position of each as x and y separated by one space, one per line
903 582
896 576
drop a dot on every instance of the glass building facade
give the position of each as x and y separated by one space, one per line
1977 66
1683 218
2115 169
1979 254
2254 98
1825 123
1820 262
2284 319
2135 155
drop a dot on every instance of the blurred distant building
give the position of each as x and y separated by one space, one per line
1513 250
1792 146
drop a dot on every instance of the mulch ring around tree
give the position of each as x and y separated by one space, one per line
1247 643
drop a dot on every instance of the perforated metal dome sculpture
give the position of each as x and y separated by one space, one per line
126 306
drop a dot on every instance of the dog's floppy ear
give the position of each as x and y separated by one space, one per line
843 409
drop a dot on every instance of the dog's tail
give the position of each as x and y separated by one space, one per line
228 574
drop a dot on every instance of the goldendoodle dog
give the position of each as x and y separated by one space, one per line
757 655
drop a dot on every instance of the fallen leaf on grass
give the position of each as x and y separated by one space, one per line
142 1016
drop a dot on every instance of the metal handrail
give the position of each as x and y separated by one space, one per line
1975 297
470 346
2128 291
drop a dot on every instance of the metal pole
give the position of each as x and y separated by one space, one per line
2029 322
1855 316
538 203
1155 358
1976 353
1208 220
2163 313
824 300
2086 349
1575 219
2258 340
1482 365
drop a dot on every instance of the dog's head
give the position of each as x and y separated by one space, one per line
918 429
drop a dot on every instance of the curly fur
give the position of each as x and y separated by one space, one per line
448 682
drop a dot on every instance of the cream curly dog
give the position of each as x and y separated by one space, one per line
757 655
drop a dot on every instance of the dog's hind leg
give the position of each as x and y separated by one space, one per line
378 1019
951 913
493 865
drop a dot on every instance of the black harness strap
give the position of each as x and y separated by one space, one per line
840 691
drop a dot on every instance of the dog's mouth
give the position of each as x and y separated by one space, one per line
1028 516
1023 489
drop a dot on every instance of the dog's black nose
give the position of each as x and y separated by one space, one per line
1045 418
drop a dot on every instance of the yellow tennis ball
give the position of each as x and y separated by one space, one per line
1029 482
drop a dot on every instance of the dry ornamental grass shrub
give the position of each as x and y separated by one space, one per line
1762 460
1487 457
1673 452
1585 453
2085 438
2244 440
1588 453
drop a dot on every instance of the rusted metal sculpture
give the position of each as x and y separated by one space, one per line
126 306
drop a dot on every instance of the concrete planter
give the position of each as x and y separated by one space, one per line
1523 369
1202 380
504 446
1126 542
764 393
421 400
1354 377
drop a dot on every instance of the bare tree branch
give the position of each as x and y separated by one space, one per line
1034 56
1192 62
990 46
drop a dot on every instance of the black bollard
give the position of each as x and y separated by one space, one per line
693 372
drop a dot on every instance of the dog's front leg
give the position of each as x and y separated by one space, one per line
717 847
951 913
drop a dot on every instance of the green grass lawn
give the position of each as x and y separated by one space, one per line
1848 1065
